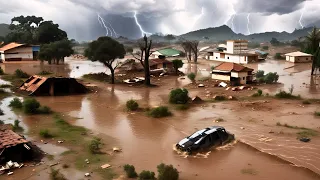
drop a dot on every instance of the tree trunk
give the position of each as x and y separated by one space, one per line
112 75
189 56
146 61
195 57
176 71
49 61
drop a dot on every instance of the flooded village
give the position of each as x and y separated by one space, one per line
124 109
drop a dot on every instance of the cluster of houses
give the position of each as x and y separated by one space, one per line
232 55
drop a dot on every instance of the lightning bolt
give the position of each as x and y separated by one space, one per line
301 16
140 27
232 16
248 18
110 29
198 17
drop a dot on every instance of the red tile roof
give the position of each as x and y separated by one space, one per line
227 66
8 138
33 83
10 46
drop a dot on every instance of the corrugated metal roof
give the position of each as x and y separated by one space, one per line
298 53
227 66
33 83
8 138
169 52
10 46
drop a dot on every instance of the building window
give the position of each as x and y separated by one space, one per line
216 57
307 59
228 57
244 78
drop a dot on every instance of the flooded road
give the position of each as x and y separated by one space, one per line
147 142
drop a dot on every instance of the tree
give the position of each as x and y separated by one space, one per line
50 32
55 51
170 37
145 47
106 50
194 47
312 41
177 63
275 42
187 49
190 48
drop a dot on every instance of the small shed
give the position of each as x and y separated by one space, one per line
14 147
167 52
298 57
53 86
19 52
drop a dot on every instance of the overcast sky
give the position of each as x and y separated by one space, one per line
79 17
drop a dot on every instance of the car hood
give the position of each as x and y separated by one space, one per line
185 142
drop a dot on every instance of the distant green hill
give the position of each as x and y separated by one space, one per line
224 33
4 29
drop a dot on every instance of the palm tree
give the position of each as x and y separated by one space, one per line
312 41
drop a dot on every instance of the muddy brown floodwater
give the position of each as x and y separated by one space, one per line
147 142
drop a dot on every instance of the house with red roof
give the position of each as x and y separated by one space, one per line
19 52
234 73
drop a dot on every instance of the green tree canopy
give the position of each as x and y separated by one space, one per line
50 32
177 63
106 50
55 51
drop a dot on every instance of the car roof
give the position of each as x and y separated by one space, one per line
213 129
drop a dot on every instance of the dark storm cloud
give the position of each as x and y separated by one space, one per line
268 6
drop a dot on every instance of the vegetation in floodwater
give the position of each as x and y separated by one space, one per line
179 96
258 93
56 175
130 171
5 86
21 74
307 133
159 112
249 171
147 175
15 103
286 95
306 102
95 146
44 73
45 133
167 172
16 126
132 105
182 107
103 77
192 76
317 113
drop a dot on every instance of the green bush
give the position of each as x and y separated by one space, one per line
182 107
95 146
15 103
159 112
192 76
16 126
278 56
179 96
20 74
130 171
285 95
317 113
5 86
44 73
167 172
271 78
132 105
44 110
56 175
30 106
1 122
306 102
260 74
258 93
45 133
212 68
147 175
220 98
1 71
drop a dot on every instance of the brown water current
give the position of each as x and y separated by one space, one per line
146 142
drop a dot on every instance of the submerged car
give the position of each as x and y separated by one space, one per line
206 138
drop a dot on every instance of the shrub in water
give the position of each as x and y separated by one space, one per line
147 175
44 110
94 146
271 78
16 126
179 96
285 95
259 92
182 107
56 175
16 103
132 105
317 113
20 74
306 102
260 74
45 133
1 71
30 106
167 172
130 171
192 76
159 112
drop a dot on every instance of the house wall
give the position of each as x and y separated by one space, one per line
229 58
221 77
298 59
236 47
241 75
1 56
25 53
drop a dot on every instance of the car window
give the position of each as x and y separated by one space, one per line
215 136
198 133
223 134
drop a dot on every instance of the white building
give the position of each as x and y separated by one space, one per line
297 57
236 52
234 73
19 52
